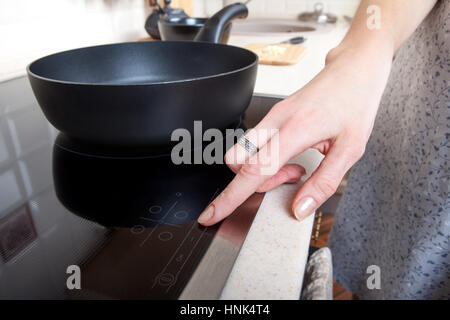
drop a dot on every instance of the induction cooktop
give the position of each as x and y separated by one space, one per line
74 224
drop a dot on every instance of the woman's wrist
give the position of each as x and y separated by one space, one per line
364 67
368 61
366 52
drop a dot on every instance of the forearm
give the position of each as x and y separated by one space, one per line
380 27
365 54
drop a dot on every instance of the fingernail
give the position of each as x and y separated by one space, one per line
206 215
304 208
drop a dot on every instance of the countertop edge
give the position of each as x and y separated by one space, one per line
272 260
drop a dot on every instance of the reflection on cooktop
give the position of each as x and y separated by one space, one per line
151 206
126 192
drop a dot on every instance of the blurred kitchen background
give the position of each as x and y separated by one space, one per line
31 29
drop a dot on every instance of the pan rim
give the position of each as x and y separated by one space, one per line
31 73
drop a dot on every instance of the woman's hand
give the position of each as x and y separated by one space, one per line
334 113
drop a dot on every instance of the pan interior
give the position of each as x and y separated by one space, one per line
142 63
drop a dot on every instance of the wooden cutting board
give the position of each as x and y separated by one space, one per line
278 54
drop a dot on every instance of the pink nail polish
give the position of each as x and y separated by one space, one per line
206 215
304 208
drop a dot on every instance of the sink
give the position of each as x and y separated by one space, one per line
263 26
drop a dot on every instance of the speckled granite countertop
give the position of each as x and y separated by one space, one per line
272 260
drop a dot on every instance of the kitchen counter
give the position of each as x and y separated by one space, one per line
272 260
273 257
285 80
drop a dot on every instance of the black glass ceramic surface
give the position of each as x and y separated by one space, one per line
128 223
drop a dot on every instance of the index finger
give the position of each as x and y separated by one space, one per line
248 179
244 184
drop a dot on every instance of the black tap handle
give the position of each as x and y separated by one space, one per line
214 27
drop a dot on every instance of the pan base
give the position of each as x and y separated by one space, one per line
88 148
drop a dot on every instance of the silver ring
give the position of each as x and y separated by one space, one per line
248 145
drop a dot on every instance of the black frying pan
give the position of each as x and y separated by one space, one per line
137 93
